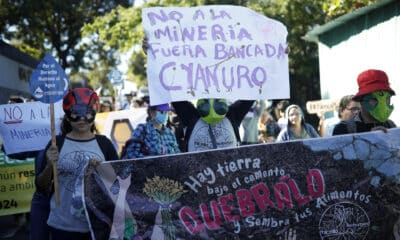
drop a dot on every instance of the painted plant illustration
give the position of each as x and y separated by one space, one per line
165 192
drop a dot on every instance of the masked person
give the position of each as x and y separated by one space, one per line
152 138
211 123
374 94
75 148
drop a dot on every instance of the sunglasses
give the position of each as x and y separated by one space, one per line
79 112
220 107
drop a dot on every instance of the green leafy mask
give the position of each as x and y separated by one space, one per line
212 110
378 105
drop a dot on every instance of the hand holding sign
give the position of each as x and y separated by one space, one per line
48 84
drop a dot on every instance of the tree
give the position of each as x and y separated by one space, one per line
37 27
299 16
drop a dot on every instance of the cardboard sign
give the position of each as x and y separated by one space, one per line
48 83
26 126
322 106
118 126
215 51
344 187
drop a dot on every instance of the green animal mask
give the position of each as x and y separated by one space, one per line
212 110
378 105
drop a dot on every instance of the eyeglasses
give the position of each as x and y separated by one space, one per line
354 109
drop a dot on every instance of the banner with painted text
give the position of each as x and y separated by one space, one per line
344 187
214 51
26 126
16 184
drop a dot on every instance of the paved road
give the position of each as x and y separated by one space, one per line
9 224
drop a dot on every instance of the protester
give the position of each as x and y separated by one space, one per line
76 147
347 109
374 95
249 124
152 138
105 106
40 208
277 110
268 128
15 99
296 127
212 123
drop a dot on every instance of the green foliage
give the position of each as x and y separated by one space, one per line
336 8
51 26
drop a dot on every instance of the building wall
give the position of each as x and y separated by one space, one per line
376 46
16 69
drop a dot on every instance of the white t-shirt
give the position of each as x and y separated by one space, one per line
223 132
69 215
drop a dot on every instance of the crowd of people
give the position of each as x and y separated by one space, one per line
182 127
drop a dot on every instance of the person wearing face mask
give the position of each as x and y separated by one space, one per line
77 146
296 127
374 95
212 123
153 137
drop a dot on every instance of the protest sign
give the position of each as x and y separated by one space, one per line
49 84
322 106
344 187
16 185
118 126
215 51
26 126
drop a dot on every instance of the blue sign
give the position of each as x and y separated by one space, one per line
48 83
115 76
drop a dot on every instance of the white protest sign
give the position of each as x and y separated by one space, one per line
215 51
322 106
26 126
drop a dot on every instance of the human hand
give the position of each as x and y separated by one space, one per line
145 44
94 162
52 155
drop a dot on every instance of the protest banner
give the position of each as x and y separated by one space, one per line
25 127
118 126
343 187
215 51
16 184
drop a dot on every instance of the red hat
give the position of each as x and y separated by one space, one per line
80 96
372 80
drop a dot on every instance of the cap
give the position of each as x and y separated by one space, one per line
80 96
372 80
162 107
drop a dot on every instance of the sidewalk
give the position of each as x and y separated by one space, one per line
9 225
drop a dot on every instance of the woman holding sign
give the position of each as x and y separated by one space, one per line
76 147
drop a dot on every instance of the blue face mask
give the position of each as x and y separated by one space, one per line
161 118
